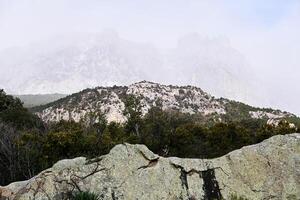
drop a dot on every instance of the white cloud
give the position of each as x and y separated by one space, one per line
265 32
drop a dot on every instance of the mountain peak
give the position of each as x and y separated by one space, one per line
185 99
87 60
145 83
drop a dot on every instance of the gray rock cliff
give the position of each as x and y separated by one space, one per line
268 170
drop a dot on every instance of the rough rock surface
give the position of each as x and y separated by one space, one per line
110 101
269 170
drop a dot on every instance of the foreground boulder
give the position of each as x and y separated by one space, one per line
269 170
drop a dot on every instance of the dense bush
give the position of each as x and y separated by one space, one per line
13 113
27 146
17 160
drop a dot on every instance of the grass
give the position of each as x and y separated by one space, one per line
86 196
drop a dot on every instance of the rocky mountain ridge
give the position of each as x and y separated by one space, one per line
268 170
185 99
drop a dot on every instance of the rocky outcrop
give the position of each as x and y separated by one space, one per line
111 101
269 170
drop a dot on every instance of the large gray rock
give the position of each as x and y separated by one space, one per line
269 170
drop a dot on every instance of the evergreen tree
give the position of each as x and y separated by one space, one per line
133 112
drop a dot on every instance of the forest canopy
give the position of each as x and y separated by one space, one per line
28 145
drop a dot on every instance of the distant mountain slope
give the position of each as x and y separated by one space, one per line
186 99
32 100
68 64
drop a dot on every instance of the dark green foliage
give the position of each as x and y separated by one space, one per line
267 131
21 119
133 112
27 147
17 122
85 196
113 134
7 102
294 120
236 110
157 130
65 139
12 112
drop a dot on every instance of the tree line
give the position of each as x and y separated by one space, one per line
28 146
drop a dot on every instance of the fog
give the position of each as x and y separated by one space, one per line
266 33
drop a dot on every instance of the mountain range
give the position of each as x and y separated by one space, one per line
67 64
32 100
110 101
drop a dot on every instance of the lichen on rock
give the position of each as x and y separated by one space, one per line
268 170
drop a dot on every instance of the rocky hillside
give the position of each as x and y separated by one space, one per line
186 99
268 170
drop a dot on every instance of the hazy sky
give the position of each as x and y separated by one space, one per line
266 32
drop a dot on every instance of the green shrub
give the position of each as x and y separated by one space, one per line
85 196
28 146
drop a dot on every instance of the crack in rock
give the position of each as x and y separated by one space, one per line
183 177
210 184
94 160
135 172
151 163
113 196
